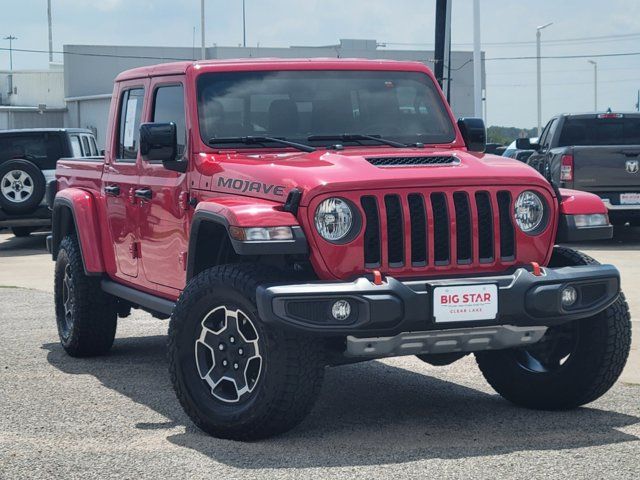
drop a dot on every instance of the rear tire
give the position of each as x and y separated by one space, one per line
22 186
572 365
227 392
22 231
85 315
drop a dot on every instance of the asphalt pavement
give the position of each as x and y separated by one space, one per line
117 416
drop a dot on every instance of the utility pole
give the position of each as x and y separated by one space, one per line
595 84
477 61
11 38
539 75
202 48
244 27
50 31
442 51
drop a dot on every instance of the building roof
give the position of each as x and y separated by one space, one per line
177 68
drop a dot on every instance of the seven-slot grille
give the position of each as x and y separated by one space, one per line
427 229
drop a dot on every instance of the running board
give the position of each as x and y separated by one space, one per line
144 300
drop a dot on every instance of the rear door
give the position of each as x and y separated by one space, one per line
121 177
163 216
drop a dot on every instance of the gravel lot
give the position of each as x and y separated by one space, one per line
117 416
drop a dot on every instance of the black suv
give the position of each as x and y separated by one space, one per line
27 163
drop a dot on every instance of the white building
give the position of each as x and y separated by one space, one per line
32 98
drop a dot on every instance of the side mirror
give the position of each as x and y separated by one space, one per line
524 144
159 141
474 133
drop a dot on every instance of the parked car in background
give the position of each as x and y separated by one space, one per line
598 153
495 148
519 154
27 162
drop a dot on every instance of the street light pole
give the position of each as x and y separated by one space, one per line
11 38
50 31
539 75
202 49
595 84
244 27
477 61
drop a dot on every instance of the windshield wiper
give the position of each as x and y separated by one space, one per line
346 137
249 140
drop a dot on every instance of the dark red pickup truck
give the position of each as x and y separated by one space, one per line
293 214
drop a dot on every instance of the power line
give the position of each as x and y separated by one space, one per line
489 59
106 55
592 39
556 84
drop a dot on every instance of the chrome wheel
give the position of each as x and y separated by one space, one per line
68 300
227 354
17 186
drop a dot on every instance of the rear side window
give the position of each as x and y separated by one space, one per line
41 149
94 147
129 124
600 131
76 149
85 146
168 106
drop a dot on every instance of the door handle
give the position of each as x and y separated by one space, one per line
112 190
143 193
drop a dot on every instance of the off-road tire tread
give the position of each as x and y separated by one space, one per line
303 366
605 363
95 324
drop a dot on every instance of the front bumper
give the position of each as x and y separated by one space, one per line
395 307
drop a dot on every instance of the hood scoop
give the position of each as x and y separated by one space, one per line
413 161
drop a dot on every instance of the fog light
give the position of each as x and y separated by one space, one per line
569 296
341 310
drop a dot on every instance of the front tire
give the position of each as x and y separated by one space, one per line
85 315
235 377
23 231
573 364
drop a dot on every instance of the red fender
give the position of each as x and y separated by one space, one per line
247 212
81 205
575 202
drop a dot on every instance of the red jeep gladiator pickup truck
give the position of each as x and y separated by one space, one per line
293 214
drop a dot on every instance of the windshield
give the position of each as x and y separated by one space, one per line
296 105
600 131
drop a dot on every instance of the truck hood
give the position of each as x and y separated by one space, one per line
272 175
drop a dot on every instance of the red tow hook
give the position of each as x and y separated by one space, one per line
377 277
536 269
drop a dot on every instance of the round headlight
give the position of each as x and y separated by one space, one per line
529 211
334 219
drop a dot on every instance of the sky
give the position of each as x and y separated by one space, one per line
507 30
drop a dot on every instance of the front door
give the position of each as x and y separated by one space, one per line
121 179
163 216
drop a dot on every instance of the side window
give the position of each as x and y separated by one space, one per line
76 149
545 139
94 147
168 106
85 146
129 125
